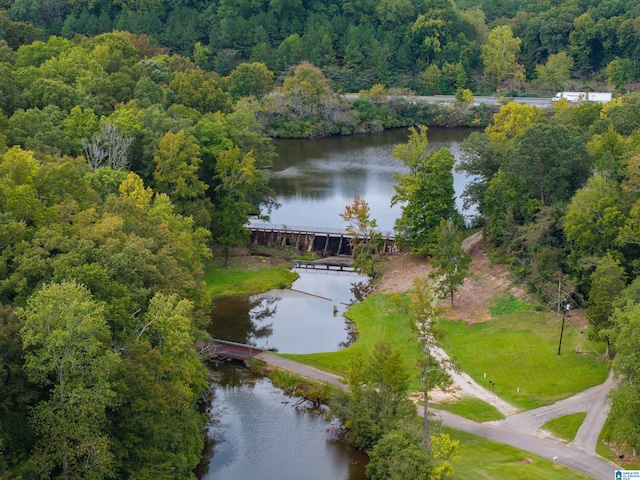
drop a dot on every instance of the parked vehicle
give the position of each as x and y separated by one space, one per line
576 97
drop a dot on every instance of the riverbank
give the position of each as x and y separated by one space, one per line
399 270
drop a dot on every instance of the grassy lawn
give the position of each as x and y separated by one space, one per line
471 408
488 460
379 317
603 450
565 427
518 350
237 279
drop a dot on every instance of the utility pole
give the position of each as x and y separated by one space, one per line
564 316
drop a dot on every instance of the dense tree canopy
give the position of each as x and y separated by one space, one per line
106 278
127 126
480 44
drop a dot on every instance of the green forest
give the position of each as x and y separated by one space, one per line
135 133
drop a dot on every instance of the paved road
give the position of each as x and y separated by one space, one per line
593 401
517 430
302 370
448 99
572 458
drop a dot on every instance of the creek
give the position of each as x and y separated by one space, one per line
255 432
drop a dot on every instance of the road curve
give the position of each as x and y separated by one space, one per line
572 458
593 401
518 430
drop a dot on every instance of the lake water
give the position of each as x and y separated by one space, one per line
315 179
258 434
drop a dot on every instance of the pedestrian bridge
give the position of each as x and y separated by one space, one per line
217 348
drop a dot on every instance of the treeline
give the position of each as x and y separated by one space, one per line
558 195
102 299
119 163
428 46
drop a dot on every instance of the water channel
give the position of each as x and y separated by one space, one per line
257 433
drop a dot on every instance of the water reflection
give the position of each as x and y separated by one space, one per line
258 434
315 179
305 319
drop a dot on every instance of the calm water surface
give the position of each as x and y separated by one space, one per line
316 179
305 320
256 435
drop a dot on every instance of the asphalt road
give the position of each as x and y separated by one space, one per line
518 430
593 401
448 99
572 458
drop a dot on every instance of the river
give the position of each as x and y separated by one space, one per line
256 433
315 179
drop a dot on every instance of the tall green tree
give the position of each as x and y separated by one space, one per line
607 282
400 456
377 400
249 79
553 75
499 56
67 339
451 261
241 188
161 379
177 168
594 219
550 161
624 413
425 193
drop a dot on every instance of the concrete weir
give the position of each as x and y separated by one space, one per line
322 241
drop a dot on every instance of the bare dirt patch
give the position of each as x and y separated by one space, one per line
473 298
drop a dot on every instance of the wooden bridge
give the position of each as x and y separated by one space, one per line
308 239
215 347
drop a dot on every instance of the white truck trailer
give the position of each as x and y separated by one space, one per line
576 97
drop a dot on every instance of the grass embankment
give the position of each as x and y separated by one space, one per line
379 317
489 460
607 448
566 427
517 350
241 279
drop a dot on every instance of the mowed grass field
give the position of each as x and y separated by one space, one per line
518 353
488 460
239 279
517 349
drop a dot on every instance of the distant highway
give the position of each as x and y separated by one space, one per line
449 99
